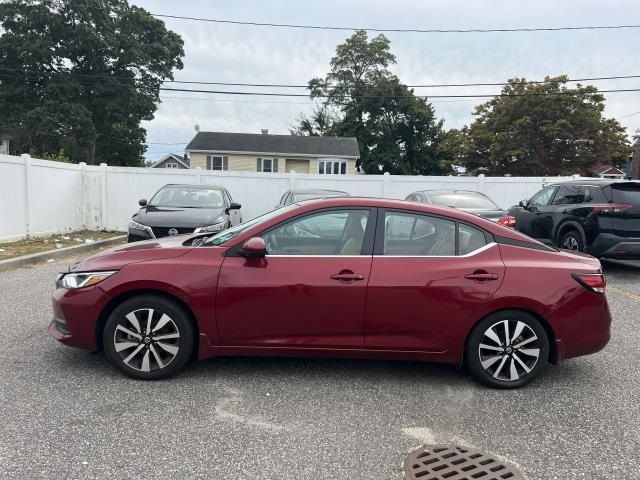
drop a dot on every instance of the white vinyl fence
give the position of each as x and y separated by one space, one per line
40 197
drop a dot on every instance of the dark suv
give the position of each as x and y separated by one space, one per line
599 217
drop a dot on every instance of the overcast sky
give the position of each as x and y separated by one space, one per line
249 54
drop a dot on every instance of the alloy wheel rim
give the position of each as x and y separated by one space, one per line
146 340
570 243
509 350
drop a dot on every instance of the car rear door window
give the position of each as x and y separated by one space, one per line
470 239
592 194
334 232
418 235
568 195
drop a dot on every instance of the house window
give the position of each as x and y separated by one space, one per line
215 162
267 165
332 167
172 164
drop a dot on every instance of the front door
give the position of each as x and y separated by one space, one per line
536 218
425 286
310 289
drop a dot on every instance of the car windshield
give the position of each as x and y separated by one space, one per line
463 200
301 196
226 235
188 197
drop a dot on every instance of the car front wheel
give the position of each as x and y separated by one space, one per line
148 337
507 349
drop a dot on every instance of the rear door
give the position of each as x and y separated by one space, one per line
625 213
429 277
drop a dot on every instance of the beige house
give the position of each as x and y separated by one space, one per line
267 153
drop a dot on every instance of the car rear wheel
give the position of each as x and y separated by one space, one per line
148 337
507 349
572 241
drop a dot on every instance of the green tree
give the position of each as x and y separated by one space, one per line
397 131
542 129
81 76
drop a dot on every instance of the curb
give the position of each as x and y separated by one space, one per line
57 253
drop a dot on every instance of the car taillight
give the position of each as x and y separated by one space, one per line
508 221
610 208
594 282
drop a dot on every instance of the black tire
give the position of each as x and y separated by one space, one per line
572 240
483 362
160 350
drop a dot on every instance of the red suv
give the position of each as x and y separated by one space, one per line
346 277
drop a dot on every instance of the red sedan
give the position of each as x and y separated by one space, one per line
344 277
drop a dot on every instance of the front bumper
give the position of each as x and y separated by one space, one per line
75 316
612 246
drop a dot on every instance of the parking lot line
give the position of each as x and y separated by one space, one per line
624 292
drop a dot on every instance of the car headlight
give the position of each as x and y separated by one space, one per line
137 226
81 280
216 227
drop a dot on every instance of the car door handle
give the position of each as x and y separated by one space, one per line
347 277
481 276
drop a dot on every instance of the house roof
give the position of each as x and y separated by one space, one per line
170 156
609 170
275 144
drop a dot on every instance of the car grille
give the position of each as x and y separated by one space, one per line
164 231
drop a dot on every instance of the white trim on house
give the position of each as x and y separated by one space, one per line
274 154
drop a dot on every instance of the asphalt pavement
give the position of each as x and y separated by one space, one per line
66 413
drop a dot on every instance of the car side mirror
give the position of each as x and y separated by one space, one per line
255 247
523 203
233 206
142 202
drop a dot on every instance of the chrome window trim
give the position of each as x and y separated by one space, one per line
470 254
317 256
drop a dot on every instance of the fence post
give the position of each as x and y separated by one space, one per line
481 185
83 196
199 175
103 196
386 180
27 192
292 180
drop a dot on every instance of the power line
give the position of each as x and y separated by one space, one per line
282 85
630 115
277 94
397 30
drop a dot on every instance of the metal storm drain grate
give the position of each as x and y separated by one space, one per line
456 463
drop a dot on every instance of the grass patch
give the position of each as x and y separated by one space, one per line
53 242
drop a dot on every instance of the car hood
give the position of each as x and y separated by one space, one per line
177 217
117 257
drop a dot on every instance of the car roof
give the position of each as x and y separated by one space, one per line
317 190
208 187
596 182
446 190
427 208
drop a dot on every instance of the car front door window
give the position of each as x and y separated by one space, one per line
542 198
336 232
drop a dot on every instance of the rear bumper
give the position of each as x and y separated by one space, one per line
581 326
612 246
